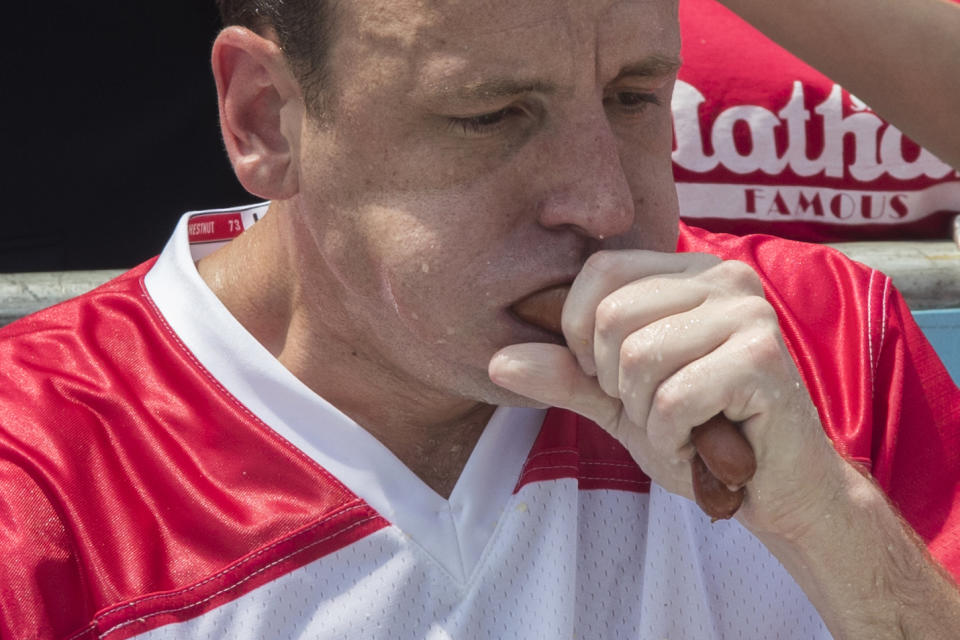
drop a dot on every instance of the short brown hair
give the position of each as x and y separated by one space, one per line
304 29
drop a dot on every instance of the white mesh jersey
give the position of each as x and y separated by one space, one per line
562 563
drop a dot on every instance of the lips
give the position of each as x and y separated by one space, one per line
543 308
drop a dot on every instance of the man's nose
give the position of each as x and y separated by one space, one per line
587 188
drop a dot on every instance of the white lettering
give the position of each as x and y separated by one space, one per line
200 228
862 126
763 147
796 116
835 206
877 146
891 156
686 125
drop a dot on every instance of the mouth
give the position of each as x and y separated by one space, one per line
543 308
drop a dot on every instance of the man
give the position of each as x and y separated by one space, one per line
317 429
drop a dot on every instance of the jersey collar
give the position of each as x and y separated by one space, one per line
455 531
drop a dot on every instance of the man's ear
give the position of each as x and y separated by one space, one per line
260 109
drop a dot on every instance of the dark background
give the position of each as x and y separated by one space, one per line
109 130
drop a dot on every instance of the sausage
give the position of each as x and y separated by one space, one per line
724 450
712 496
724 457
543 308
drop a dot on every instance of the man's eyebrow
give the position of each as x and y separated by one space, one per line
500 88
651 66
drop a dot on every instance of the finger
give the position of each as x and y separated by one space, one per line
651 355
650 313
690 315
745 376
602 274
550 374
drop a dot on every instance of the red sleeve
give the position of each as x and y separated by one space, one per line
884 397
134 490
916 444
39 578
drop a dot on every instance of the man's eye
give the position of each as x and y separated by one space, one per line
483 124
633 101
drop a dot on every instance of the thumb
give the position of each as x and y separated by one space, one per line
550 374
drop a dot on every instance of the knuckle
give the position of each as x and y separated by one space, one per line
609 317
740 276
754 310
638 352
764 349
668 403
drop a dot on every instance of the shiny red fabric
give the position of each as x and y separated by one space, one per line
131 481
884 397
135 491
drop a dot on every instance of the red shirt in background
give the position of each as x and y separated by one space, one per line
764 143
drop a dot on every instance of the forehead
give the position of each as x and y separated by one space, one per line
425 41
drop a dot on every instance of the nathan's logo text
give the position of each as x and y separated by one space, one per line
878 145
801 203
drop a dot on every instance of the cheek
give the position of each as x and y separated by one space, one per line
423 252
431 265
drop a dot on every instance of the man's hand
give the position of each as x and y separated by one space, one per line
658 344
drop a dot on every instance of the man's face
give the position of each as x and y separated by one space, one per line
478 151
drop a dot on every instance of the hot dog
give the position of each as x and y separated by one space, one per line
543 308
724 457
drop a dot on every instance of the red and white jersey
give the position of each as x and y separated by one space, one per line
163 476
766 144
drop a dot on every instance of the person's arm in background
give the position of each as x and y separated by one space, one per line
902 57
